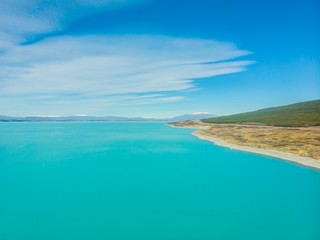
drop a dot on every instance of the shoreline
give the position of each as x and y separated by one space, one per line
305 161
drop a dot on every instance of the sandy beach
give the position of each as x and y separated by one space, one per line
298 145
306 161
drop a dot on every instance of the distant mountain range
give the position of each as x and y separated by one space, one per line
194 116
294 115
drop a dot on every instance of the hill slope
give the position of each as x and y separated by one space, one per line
294 115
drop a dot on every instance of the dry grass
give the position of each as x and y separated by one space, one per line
302 141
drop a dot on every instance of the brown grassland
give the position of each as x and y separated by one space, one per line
302 141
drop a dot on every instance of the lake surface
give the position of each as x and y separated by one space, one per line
146 181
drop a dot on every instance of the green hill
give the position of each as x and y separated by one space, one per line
294 115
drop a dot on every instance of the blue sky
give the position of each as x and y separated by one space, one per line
156 58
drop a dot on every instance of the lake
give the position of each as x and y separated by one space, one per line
146 181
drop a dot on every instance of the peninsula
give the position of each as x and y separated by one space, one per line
288 132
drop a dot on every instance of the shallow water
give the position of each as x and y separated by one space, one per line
141 181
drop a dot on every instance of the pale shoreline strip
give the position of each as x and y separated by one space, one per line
306 161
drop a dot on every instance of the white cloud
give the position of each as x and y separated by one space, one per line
40 16
98 66
98 71
8 41
21 19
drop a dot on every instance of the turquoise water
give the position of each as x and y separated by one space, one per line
146 181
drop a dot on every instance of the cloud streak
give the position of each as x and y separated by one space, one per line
22 19
98 71
98 66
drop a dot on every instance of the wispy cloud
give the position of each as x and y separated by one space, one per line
24 18
95 67
98 71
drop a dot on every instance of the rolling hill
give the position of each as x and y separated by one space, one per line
294 115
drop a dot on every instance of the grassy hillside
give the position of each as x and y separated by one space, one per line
294 115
